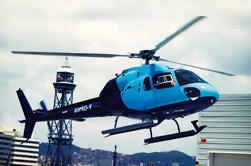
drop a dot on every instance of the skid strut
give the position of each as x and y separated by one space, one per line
176 135
178 126
116 121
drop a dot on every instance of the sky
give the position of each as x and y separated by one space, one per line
221 42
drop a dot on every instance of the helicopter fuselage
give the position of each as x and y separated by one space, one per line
149 92
153 91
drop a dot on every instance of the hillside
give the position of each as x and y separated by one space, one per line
89 156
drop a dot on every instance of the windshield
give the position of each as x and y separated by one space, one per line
187 77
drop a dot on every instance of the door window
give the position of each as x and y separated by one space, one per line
163 80
146 84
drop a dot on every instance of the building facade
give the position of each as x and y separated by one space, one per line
16 151
227 138
5 148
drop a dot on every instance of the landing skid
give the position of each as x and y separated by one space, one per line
176 135
149 125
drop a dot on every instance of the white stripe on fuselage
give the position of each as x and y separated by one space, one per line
83 108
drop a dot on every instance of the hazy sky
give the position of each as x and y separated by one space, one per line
222 42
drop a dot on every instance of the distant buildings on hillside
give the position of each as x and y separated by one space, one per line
16 151
90 157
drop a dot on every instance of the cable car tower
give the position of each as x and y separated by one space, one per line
60 131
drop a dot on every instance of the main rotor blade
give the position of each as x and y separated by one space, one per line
96 55
182 29
202 68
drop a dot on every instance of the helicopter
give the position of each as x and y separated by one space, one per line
150 93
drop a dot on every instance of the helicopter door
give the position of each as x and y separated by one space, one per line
165 89
138 94
146 94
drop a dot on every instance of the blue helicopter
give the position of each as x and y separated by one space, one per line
151 93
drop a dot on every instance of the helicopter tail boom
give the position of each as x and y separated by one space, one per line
78 112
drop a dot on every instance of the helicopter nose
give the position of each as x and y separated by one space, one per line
208 90
202 90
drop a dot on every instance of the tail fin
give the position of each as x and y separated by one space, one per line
29 125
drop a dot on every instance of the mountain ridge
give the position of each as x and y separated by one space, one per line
89 156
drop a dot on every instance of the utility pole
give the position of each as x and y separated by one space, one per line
115 155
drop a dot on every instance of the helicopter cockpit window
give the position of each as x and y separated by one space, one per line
146 84
187 77
163 80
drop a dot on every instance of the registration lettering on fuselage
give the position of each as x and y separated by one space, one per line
83 108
